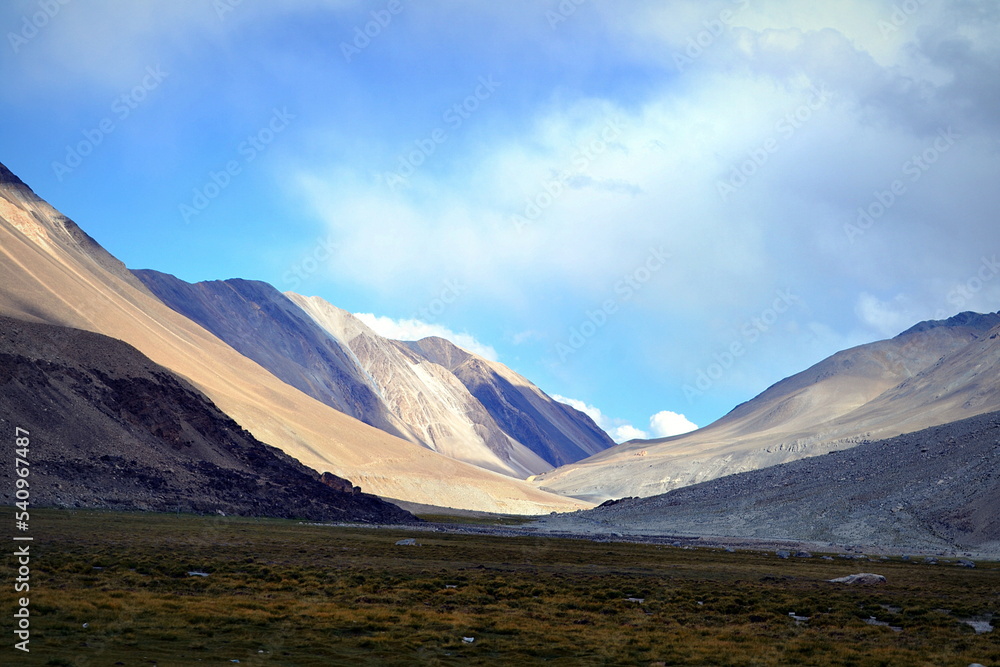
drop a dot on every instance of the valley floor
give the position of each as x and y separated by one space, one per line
141 589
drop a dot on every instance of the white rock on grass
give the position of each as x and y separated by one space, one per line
862 578
979 625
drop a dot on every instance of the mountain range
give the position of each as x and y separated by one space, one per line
932 491
934 373
231 396
52 272
332 356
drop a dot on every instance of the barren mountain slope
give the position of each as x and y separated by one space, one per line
832 405
933 490
555 431
51 272
261 323
967 381
435 408
111 429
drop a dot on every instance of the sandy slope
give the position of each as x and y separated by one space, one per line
50 271
932 374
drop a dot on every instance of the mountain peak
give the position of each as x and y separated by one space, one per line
9 177
978 321
9 182
441 351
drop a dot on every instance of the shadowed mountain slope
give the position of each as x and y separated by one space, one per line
111 429
332 356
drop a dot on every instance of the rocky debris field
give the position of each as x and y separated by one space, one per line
933 491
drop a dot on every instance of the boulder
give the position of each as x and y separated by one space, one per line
782 554
408 542
979 625
337 483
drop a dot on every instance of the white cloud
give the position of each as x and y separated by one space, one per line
589 410
522 337
416 329
661 425
666 423
619 429
627 432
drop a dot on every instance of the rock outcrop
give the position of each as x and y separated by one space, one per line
460 404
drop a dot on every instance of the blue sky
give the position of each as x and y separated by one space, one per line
644 207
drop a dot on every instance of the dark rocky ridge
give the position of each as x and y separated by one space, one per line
936 489
969 319
111 429
7 177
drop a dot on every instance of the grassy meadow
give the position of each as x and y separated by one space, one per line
115 589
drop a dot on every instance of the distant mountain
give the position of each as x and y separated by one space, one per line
929 491
557 432
934 373
111 429
332 356
430 392
52 272
461 404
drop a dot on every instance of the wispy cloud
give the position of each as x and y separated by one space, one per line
417 329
